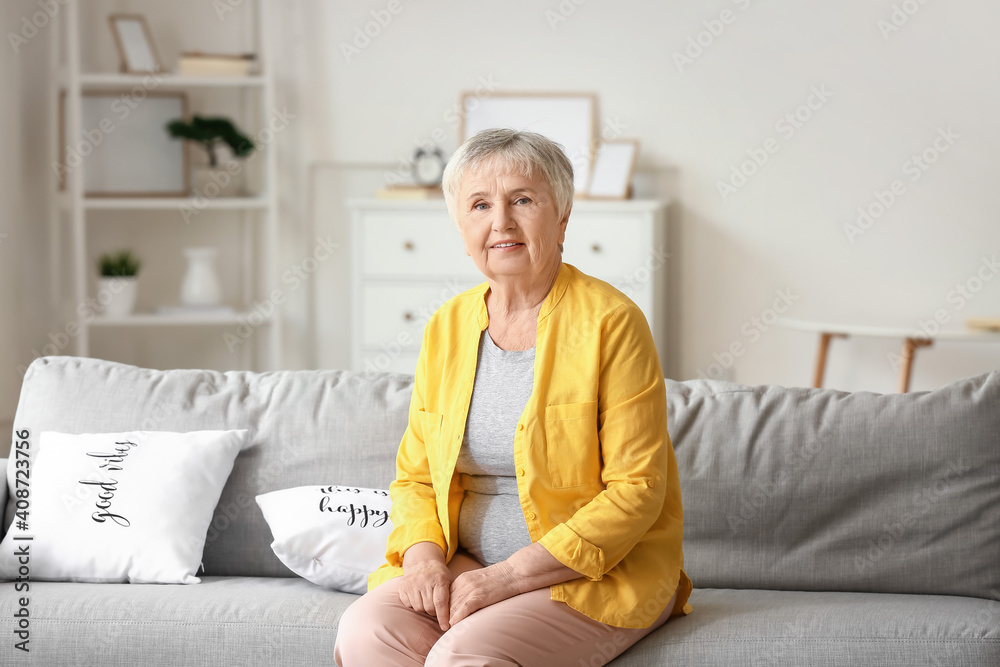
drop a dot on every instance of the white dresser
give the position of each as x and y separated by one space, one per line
407 259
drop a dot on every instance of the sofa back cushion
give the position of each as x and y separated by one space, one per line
824 490
783 488
306 428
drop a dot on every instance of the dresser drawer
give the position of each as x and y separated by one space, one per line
602 247
394 313
418 244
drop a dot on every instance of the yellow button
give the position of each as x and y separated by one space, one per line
520 471
520 427
531 515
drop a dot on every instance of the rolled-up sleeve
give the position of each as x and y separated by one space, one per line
634 443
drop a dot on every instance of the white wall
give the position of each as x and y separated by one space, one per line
784 229
24 286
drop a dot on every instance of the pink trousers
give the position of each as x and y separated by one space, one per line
527 630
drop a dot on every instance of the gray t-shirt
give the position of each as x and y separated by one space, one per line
491 523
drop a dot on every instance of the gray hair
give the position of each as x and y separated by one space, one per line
515 151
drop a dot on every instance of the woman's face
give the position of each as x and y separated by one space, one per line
494 208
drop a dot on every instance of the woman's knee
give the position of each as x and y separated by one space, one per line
362 613
378 624
358 625
350 634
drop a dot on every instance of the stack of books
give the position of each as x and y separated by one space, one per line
187 311
987 323
196 63
410 192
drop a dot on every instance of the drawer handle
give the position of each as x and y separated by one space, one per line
596 247
408 316
408 245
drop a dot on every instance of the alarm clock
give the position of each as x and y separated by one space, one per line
428 166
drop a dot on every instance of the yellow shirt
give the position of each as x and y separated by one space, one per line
595 467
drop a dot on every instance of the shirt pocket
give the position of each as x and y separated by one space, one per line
572 446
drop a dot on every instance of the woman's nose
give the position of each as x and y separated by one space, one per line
502 218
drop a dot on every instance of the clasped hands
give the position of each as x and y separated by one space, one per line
429 586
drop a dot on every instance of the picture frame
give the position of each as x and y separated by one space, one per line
613 168
124 149
135 45
568 118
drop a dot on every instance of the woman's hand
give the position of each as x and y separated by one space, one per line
426 582
473 590
529 568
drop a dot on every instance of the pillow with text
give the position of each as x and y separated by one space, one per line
115 507
333 536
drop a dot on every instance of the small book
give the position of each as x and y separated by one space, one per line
987 323
410 192
196 63
185 311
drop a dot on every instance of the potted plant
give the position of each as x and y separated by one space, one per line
117 282
211 134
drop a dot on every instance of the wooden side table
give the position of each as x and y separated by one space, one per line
913 340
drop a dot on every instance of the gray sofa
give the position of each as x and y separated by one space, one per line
821 527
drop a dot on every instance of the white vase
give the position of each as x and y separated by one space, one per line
201 285
116 295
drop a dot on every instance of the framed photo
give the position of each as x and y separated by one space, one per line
135 43
124 149
614 165
569 119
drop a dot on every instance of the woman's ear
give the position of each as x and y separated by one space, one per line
562 226
461 233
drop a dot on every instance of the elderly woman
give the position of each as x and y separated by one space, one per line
536 510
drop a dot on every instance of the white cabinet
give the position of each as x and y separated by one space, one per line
408 259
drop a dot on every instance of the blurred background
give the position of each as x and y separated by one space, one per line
832 164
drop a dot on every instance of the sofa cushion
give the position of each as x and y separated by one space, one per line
784 488
112 507
306 428
258 622
252 621
334 536
752 627
818 489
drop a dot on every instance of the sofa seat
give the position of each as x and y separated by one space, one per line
288 621
819 629
223 621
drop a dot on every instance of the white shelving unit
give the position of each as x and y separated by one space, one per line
258 237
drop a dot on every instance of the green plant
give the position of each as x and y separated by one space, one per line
121 263
209 133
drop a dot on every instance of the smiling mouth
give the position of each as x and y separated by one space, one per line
504 246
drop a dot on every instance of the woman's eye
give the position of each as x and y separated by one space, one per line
480 204
523 200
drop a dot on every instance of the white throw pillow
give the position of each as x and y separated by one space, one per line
334 536
114 507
